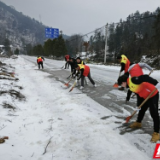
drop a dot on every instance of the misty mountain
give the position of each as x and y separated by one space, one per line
20 29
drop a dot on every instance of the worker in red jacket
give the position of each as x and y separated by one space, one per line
143 86
84 72
40 60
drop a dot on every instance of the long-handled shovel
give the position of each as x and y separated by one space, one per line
67 84
129 117
116 84
69 76
74 84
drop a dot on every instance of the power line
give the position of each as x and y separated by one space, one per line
154 15
86 33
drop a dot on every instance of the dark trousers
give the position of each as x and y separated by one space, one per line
89 77
66 65
73 71
40 64
152 104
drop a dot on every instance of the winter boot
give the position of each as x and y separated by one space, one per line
136 125
155 137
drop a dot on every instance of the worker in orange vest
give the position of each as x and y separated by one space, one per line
84 72
135 70
40 60
143 86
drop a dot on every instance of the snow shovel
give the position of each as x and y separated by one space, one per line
129 117
74 84
67 84
69 76
116 84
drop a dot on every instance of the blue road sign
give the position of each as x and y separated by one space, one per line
51 32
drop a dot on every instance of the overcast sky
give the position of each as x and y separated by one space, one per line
81 16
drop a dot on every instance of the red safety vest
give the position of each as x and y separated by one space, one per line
67 57
39 59
86 69
143 89
136 71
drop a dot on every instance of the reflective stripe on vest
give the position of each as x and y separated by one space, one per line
143 89
126 62
136 71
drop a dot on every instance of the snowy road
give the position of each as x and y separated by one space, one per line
70 123
104 94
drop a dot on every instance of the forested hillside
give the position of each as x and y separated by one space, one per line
19 29
138 35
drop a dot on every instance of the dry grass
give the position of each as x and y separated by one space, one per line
14 94
6 105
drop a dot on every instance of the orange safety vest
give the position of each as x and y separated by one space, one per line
143 89
86 69
136 71
39 59
126 61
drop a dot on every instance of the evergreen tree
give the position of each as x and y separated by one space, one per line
6 44
59 47
16 51
48 47
38 50
157 31
29 49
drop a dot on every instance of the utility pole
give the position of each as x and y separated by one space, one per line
61 32
106 46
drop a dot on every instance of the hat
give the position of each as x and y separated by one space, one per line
78 58
119 57
122 79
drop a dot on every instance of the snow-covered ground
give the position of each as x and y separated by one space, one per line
51 123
